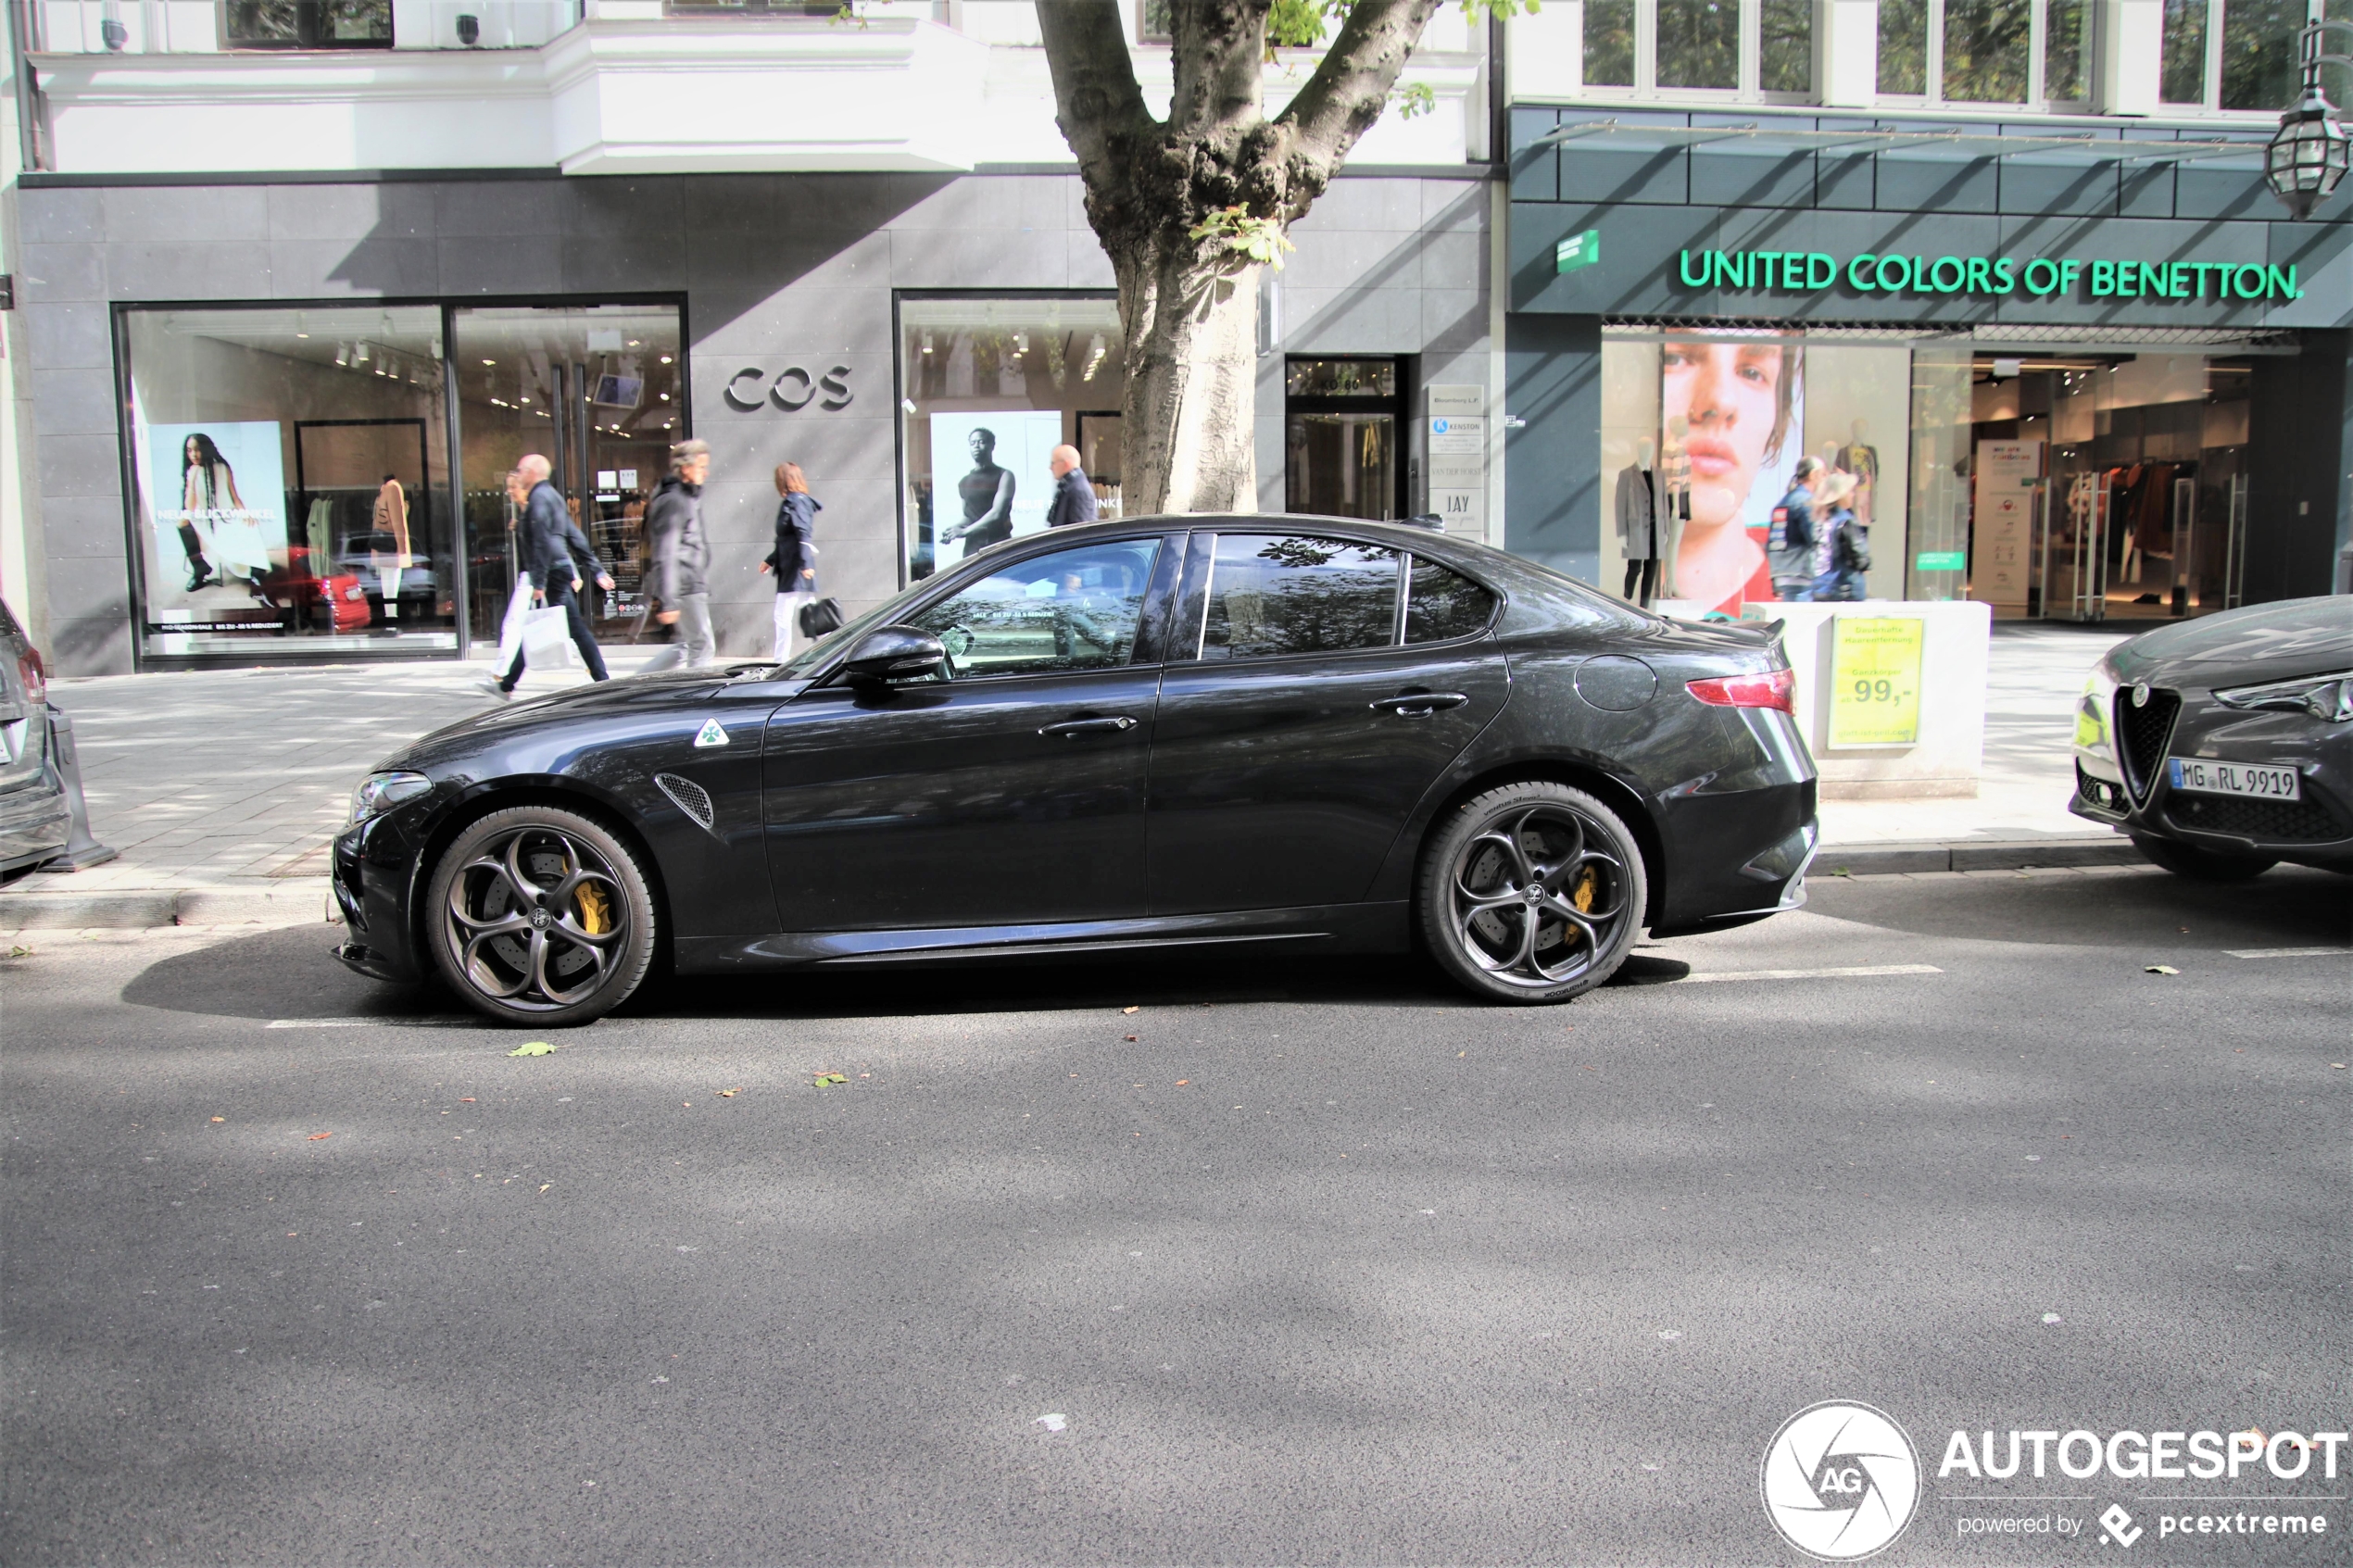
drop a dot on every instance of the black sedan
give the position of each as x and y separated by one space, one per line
1219 732
2225 746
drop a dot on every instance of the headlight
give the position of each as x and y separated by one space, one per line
2328 699
379 793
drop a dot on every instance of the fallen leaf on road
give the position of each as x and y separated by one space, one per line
1128 1037
534 1048
220 1119
1182 1082
2160 968
1056 1421
1131 1009
544 1187
465 1099
2052 1317
729 1094
316 1137
827 1080
19 952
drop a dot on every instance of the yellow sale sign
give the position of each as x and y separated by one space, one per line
1875 680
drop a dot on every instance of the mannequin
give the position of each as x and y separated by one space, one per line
1637 526
1861 459
1674 493
390 523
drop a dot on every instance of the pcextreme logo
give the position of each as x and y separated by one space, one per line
1840 1481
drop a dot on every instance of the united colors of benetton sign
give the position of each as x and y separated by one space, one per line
1800 271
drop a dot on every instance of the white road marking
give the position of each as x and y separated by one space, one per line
2290 952
322 1023
1813 973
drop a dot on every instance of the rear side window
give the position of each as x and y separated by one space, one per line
1276 594
1443 603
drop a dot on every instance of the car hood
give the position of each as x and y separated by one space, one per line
502 726
2273 642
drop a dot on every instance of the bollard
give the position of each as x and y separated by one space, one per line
82 850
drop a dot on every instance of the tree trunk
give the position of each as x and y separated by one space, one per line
1188 300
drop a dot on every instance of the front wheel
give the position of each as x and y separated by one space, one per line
1532 893
539 915
2199 865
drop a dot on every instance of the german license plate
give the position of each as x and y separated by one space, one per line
2233 778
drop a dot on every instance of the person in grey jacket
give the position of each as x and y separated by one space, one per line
1074 499
556 556
680 553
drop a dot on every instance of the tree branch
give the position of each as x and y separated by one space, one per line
1348 92
1096 102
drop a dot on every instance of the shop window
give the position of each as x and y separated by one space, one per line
1342 420
1276 595
1985 50
1902 47
2067 50
992 386
1153 22
1672 46
2182 77
308 24
1785 62
290 470
1609 43
2236 54
599 392
1699 43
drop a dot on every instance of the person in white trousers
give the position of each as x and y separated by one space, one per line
794 560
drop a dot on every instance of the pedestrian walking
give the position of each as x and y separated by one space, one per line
1790 545
554 555
1844 552
794 560
679 557
1074 494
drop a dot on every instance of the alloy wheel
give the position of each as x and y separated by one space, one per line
1532 900
537 919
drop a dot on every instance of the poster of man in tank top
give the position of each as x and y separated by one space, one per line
989 477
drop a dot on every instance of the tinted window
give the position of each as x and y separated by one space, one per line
1441 604
1276 593
1073 610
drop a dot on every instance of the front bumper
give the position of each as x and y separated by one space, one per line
2133 789
375 875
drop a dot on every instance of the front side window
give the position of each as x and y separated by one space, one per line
1073 610
1276 593
1443 604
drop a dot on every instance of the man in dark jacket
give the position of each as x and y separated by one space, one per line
1789 547
556 556
1074 495
679 552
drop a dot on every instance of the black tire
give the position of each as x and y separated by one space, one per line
1539 853
2200 865
540 916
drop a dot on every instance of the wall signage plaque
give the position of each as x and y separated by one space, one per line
792 389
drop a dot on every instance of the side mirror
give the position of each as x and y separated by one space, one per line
895 653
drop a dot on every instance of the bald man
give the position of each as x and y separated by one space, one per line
555 555
1074 495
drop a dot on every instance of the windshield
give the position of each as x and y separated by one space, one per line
806 661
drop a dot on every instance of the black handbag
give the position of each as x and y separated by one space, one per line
820 618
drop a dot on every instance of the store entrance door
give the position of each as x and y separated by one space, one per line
596 390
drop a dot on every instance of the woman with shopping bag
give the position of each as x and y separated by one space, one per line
554 555
794 560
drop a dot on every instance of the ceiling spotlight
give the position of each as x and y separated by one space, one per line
928 343
490 361
343 355
359 354
665 359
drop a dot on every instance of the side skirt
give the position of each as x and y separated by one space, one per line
1334 928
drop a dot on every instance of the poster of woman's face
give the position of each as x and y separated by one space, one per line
1741 406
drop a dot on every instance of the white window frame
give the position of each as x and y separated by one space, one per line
1646 88
2211 100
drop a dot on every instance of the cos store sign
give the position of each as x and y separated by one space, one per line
791 389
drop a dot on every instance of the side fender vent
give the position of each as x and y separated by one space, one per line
689 797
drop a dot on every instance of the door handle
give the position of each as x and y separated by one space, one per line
1072 728
1418 705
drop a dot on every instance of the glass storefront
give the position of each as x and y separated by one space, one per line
290 478
1342 419
992 386
292 468
2083 481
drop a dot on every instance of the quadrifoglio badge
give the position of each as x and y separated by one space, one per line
1841 1481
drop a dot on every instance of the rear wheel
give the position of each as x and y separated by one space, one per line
2200 865
1532 893
539 915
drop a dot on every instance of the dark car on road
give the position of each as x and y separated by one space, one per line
2225 745
1230 734
35 820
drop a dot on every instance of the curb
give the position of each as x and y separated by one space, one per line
294 901
1888 860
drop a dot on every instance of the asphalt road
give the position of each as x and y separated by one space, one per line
1323 1264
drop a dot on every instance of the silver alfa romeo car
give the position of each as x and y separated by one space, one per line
2225 745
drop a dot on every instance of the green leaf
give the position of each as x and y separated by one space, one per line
534 1048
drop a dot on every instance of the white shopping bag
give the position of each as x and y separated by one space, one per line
510 628
546 638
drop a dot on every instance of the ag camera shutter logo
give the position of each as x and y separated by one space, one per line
1840 1481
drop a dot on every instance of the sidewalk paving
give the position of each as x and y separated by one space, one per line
222 788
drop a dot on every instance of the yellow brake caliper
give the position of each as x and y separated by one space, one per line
596 910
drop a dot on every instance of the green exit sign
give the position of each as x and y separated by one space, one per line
1578 250
1941 560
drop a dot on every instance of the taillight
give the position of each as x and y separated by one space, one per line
36 676
1769 688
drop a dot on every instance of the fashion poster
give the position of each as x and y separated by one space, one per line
989 477
217 506
1732 418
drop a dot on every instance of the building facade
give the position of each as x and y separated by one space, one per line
296 285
